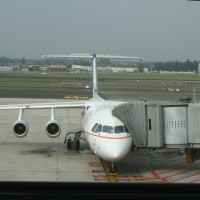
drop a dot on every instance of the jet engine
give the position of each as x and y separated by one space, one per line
53 128
20 128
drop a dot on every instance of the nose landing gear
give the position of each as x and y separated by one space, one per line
109 167
112 167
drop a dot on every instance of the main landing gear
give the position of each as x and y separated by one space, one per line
73 144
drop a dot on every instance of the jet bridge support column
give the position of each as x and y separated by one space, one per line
192 154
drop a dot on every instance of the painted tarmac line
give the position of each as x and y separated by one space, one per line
184 177
153 172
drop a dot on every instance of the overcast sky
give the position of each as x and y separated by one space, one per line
157 30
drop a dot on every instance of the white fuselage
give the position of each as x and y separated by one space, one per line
105 133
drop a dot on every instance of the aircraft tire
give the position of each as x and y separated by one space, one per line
69 144
77 144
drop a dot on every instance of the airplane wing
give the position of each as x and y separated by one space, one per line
75 104
89 56
53 127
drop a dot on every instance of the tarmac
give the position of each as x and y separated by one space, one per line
37 157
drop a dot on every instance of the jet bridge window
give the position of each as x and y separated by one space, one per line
108 129
99 129
119 129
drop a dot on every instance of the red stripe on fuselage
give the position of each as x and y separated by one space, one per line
111 138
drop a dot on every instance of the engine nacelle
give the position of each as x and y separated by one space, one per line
20 128
53 128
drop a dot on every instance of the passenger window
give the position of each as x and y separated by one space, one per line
94 127
119 129
108 129
99 129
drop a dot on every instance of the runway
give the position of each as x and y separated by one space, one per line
37 157
37 87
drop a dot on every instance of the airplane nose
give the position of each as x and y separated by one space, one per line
118 152
114 156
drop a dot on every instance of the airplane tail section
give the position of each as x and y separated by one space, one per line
95 92
94 69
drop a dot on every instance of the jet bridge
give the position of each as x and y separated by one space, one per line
163 125
133 116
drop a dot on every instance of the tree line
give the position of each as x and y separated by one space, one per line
177 66
155 66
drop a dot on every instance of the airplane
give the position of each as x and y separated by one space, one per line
106 135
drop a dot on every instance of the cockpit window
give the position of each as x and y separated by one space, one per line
126 129
94 127
119 129
99 129
108 129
